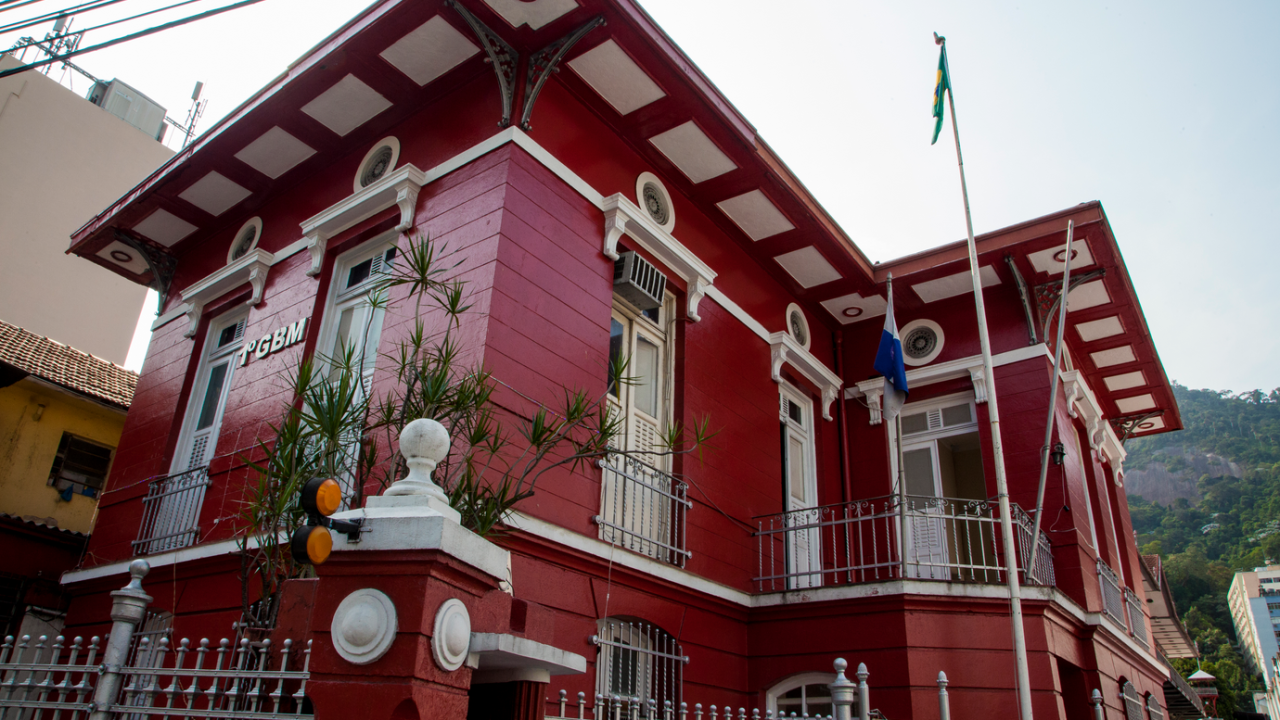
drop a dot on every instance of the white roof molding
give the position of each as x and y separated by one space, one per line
785 349
971 367
400 187
621 216
252 269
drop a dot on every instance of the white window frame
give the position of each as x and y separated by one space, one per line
773 694
636 324
339 299
804 547
932 436
653 663
210 356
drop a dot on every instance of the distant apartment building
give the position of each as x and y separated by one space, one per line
1254 599
63 158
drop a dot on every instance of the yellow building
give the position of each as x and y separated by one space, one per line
61 412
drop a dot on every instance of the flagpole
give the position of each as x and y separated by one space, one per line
901 480
997 448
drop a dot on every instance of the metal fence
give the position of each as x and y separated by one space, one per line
1137 619
171 512
643 509
862 541
96 680
1112 598
848 700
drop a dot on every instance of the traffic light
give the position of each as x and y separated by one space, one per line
312 543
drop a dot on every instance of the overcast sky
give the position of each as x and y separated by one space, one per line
1166 112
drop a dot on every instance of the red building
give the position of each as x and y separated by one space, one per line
775 551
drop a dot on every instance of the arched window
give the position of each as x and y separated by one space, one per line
639 661
1154 712
804 694
1132 702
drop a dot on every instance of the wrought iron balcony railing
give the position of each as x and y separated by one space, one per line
171 512
886 538
1112 597
643 509
1137 619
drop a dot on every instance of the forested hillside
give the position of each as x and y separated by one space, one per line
1215 510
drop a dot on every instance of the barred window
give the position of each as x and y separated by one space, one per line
1154 711
1132 703
638 661
80 466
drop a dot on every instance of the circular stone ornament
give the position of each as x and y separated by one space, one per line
921 342
377 163
364 626
798 325
653 198
451 638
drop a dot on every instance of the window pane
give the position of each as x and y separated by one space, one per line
912 424
359 273
918 466
956 415
795 413
646 373
209 409
615 352
795 469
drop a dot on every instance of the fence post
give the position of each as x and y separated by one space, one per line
841 692
944 703
864 693
1096 699
128 607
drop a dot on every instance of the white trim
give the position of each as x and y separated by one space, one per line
400 188
290 250
553 164
187 554
873 389
252 268
737 312
622 216
784 349
169 317
1083 404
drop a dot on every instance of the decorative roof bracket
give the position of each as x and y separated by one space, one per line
785 350
547 61
1049 295
622 217
1025 293
1125 426
161 264
504 58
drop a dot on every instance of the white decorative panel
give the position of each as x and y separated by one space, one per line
275 153
616 77
430 51
1136 403
1125 381
808 267
693 152
534 13
124 256
1090 294
1051 260
1114 356
347 105
953 285
164 227
756 214
214 194
854 308
1098 329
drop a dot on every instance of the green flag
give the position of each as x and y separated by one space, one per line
942 87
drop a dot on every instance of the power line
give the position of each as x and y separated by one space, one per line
54 15
125 20
126 38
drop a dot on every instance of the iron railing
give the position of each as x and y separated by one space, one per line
946 539
171 512
643 509
1112 598
1137 619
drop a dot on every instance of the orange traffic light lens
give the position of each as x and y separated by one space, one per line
319 545
328 497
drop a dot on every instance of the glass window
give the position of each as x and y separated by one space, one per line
80 466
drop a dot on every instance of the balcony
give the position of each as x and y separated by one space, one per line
171 512
946 539
643 509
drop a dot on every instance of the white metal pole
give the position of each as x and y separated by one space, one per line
997 449
1053 398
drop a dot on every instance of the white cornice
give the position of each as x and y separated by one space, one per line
784 349
252 269
970 367
400 187
621 216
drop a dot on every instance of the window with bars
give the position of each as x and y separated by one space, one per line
638 661
80 466
1132 701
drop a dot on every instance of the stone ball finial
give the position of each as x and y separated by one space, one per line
138 569
425 441
840 665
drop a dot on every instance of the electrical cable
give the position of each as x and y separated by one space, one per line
107 24
126 38
54 14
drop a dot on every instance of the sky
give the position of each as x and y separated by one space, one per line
1165 112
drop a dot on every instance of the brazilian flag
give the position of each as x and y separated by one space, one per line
939 92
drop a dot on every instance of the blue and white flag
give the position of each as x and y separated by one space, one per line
889 364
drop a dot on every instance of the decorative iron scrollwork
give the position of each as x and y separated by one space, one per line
1127 425
161 264
1049 295
547 61
504 58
